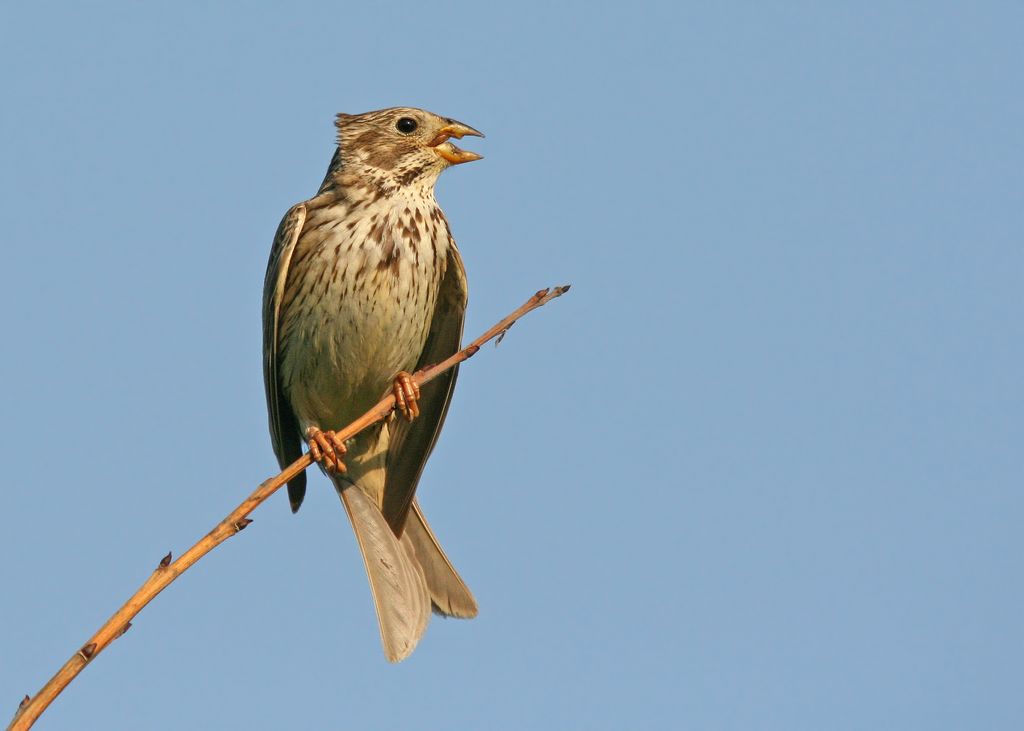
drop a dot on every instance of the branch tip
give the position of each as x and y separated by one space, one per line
166 560
556 292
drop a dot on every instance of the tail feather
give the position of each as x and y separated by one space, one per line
449 594
408 575
396 580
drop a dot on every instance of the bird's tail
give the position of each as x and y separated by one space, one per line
396 579
448 592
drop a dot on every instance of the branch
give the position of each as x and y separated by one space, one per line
167 571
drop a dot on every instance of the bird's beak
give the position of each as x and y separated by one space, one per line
447 150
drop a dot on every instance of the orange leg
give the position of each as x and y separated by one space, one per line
327 449
407 395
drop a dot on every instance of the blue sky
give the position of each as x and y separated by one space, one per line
761 468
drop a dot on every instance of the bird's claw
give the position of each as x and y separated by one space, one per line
407 395
326 448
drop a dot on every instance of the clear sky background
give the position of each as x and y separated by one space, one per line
761 469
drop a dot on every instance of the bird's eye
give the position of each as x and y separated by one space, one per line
406 125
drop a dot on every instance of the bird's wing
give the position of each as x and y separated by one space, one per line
412 442
284 429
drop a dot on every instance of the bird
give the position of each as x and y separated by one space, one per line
364 285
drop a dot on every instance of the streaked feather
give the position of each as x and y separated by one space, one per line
412 442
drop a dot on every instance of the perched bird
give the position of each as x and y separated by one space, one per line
365 285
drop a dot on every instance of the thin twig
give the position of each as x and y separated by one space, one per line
167 570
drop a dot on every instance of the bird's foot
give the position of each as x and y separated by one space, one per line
407 395
326 448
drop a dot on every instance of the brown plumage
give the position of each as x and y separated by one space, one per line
364 283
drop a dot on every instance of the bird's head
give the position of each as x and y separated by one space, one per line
401 144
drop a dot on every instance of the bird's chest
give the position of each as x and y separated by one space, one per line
360 296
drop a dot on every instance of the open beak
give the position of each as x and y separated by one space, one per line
447 150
